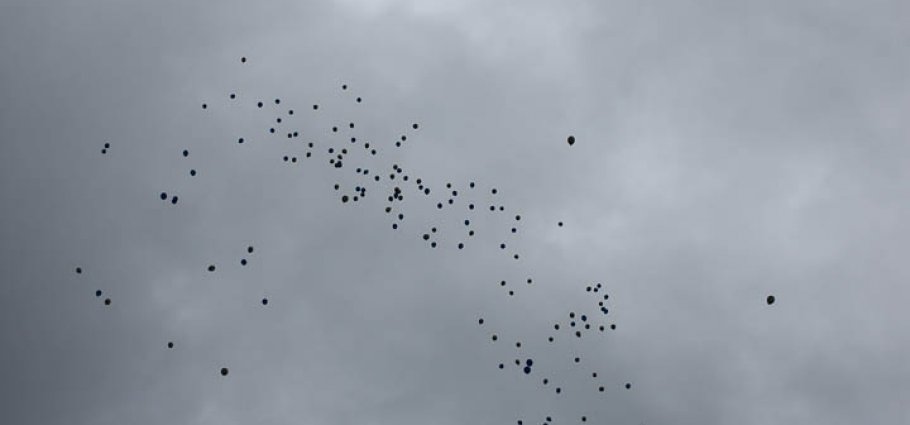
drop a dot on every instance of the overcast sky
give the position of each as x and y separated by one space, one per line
726 150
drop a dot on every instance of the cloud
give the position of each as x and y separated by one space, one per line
724 152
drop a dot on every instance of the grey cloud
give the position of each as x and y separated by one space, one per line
725 151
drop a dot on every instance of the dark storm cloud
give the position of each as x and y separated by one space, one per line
724 152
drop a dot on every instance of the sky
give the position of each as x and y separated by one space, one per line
725 151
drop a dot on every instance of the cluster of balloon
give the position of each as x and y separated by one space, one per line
580 322
249 250
467 202
186 153
243 263
163 196
98 292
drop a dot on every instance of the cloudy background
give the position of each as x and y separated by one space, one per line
726 151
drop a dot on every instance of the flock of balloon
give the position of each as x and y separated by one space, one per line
397 184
